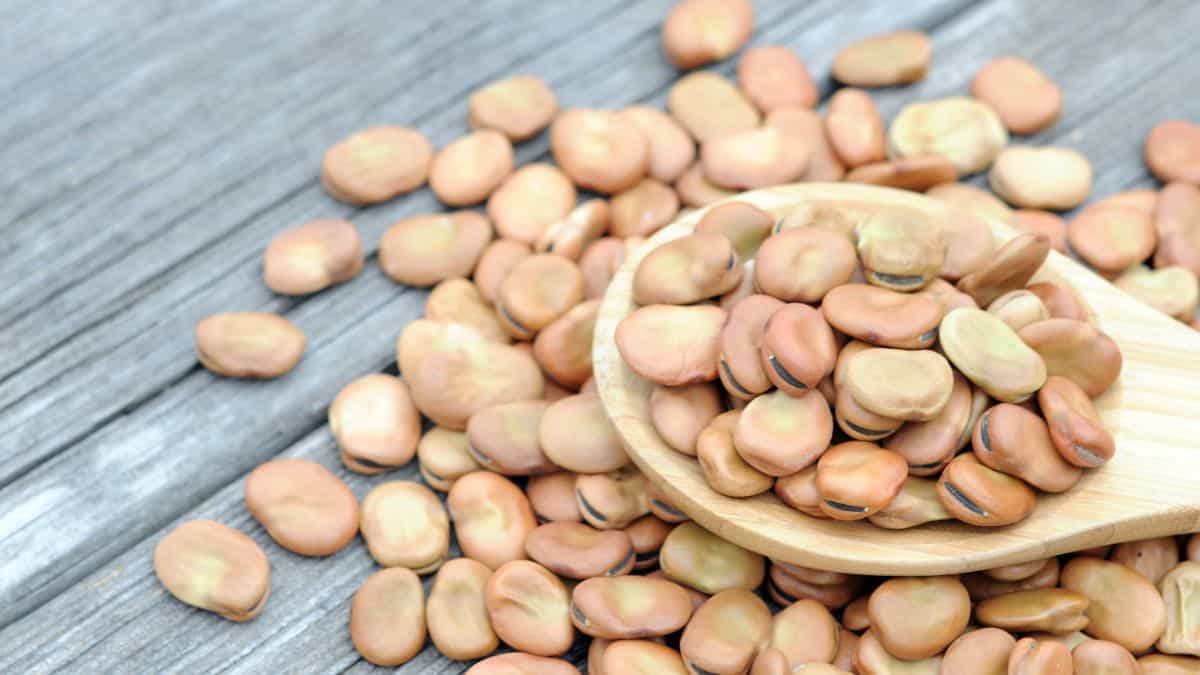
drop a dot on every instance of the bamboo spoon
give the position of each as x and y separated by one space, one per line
1150 488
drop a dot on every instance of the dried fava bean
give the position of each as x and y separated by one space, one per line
312 257
680 414
405 525
780 434
599 263
576 434
1178 591
697 32
1010 269
708 105
687 270
901 383
423 250
977 495
599 149
812 575
444 456
376 164
977 201
612 500
578 551
854 615
628 607
804 264
1075 427
504 438
1112 238
726 633
1049 609
970 244
671 149
303 506
1025 99
672 345
564 347
640 657
1061 301
884 60
873 659
981 586
518 107
1125 607
908 173
572 234
847 650
529 608
858 422
755 158
1171 290
1015 441
786 589
799 491
1173 151
1101 657
991 354
1077 351
1017 571
917 617
1161 664
552 497
745 226
497 259
741 368
983 651
927 446
1177 219
1041 178
967 132
947 295
883 317
1152 558
774 77
770 661
807 126
724 469
1019 308
215 568
469 169
518 663
1144 200
917 503
375 423
1039 657
456 614
538 290
701 560
459 301
805 632
387 617
798 348
531 200
662 508
647 534
855 129
491 516
251 345
696 191
856 479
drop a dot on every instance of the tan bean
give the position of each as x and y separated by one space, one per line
779 434
701 560
1049 609
1144 200
858 422
456 614
458 300
983 651
854 615
900 250
423 250
552 497
1112 238
697 32
900 383
641 657
798 348
518 107
745 226
538 290
376 164
696 191
496 261
981 586
469 169
884 60
405 525
518 663
723 468
770 661
883 317
974 200
572 234
1042 177
708 106
947 295
917 503
576 434
755 158
612 500
578 551
312 257
375 423
599 149
1044 222
1151 558
1026 100
672 345
214 567
917 617
799 491
847 650
1075 427
873 659
1061 301
928 446
803 264
967 132
250 345
387 617
491 516
786 589
807 126
856 479
564 347
671 149
918 173
1012 268
1019 308
529 201
663 508
991 354
647 534
687 270
726 633
1017 571
1039 657
599 263
805 632
1015 441
529 608
1179 636
969 244
303 506
854 128
1076 350
1173 151
629 607
1161 664
774 77
1125 607
679 414
504 438
975 494
1172 290
444 456
1101 657
742 370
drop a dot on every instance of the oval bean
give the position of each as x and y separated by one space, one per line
215 568
312 257
671 149
726 632
444 456
884 60
701 560
405 525
629 607
918 617
966 131
672 345
1124 606
552 497
491 516
883 317
303 506
469 169
991 355
1021 94
518 107
1076 350
387 617
423 250
529 608
983 651
504 438
780 434
975 494
456 613
578 551
529 201
252 345
697 32
376 164
804 264
612 500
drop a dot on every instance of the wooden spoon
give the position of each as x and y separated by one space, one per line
1150 488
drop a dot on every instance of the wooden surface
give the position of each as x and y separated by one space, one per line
1147 490
149 152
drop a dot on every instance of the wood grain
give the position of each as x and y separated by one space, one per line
1146 490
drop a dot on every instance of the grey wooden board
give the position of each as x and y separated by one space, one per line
154 148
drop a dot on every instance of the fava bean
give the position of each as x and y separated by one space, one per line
491 516
918 617
873 659
696 191
552 497
518 663
1035 221
624 608
804 264
1075 427
468 170
529 608
687 270
1077 351
1177 220
1124 606
456 613
671 149
1101 657
1042 177
856 479
977 201
884 60
991 355
444 456
1034 657
1019 308
578 551
699 559
1017 571
723 468
900 250
612 500
495 263
970 244
975 494
672 345
917 173
911 385
537 290
780 434
599 149
387 617
518 107
680 414
697 32
251 345
1024 98
708 106
572 234
823 164
799 491
641 657
423 250
1049 609
576 434
966 131
805 632
1173 151
726 633
786 589
754 158
375 423
858 422
981 586
459 301
1173 290
647 534
854 128
312 257
798 349
1112 238
1179 635
1151 558
917 503
745 226
1013 265
215 568
927 446
564 347
883 317
774 77
504 438
376 164
1061 301
1015 441
529 201
741 367
405 525
983 651
303 506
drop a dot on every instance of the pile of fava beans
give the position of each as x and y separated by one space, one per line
561 536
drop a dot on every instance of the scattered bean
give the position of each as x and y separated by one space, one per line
629 607
569 236
1101 657
696 191
518 107
468 170
303 506
456 613
1151 558
697 32
405 525
708 106
672 345
687 270
1173 151
215 568
1177 220
884 60
312 257
1172 290
251 345
423 250
1042 177
612 500
1076 350
1112 238
855 129
641 657
529 608
552 497
491 516
917 173
725 634
1039 657
754 158
375 165
806 125
529 201
387 617
918 617
967 132
1075 428
1026 100
983 651
873 659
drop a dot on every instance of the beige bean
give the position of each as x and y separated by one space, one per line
1036 221
745 226
1179 636
376 164
1101 657
529 201
856 479
883 317
742 371
786 589
387 617
927 446
779 434
854 615
599 263
538 290
1019 308
469 169
873 659
612 500
918 617
672 345
576 434
858 422
1125 607
755 158
774 77
680 414
1039 657
458 300
805 632
854 128
917 503
991 354
970 243
975 494
884 60
578 551
1152 558
312 257
723 468
798 348
1076 350
250 345
708 106
423 250
1017 571
806 125
1061 301
983 651
671 149
726 632
303 506
504 438
444 456
1042 177
662 507
518 107
900 250
518 663
529 608
698 559
812 575
629 607
456 614
847 650
1144 199
647 534
799 491
491 516
405 525
641 657
1024 98
214 567
1173 151
1049 609
900 383
696 191
1112 238
967 132
1177 220
947 295
599 149
977 201
697 32
552 497
564 347
1015 441
1075 427
569 236
687 270
804 264
770 661
1173 290
496 261
982 586
918 173
1010 269
1161 664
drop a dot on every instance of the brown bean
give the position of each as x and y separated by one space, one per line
779 434
726 633
1039 657
552 497
947 295
799 491
1075 427
917 617
1041 177
444 456
1144 200
754 158
599 263
662 507
708 106
538 290
679 414
1019 308
856 479
745 226
770 661
884 60
214 567
423 250
1077 351
653 339
928 446
812 575
469 169
312 257
1061 301
1112 238
518 107
723 468
671 149
456 613
1177 220
529 201
1172 290
911 385
405 525
785 588
1049 609
491 516
251 345
1010 269
742 370
854 128
774 77
629 607
1179 634
518 663
1151 558
1021 94
858 422
981 586
696 191
1173 151
701 560
977 201
975 494
970 244
303 506
798 348
883 317
1036 221
917 173
459 301
854 615
1015 441
807 126
599 149
376 164
572 234
900 250
1125 607
529 608
564 347
387 617
641 657
967 132
576 434
873 659
612 500
697 32
578 551
496 261
991 355
983 651
1017 571
803 264
687 270
1101 657
504 438
917 503
647 534
805 632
